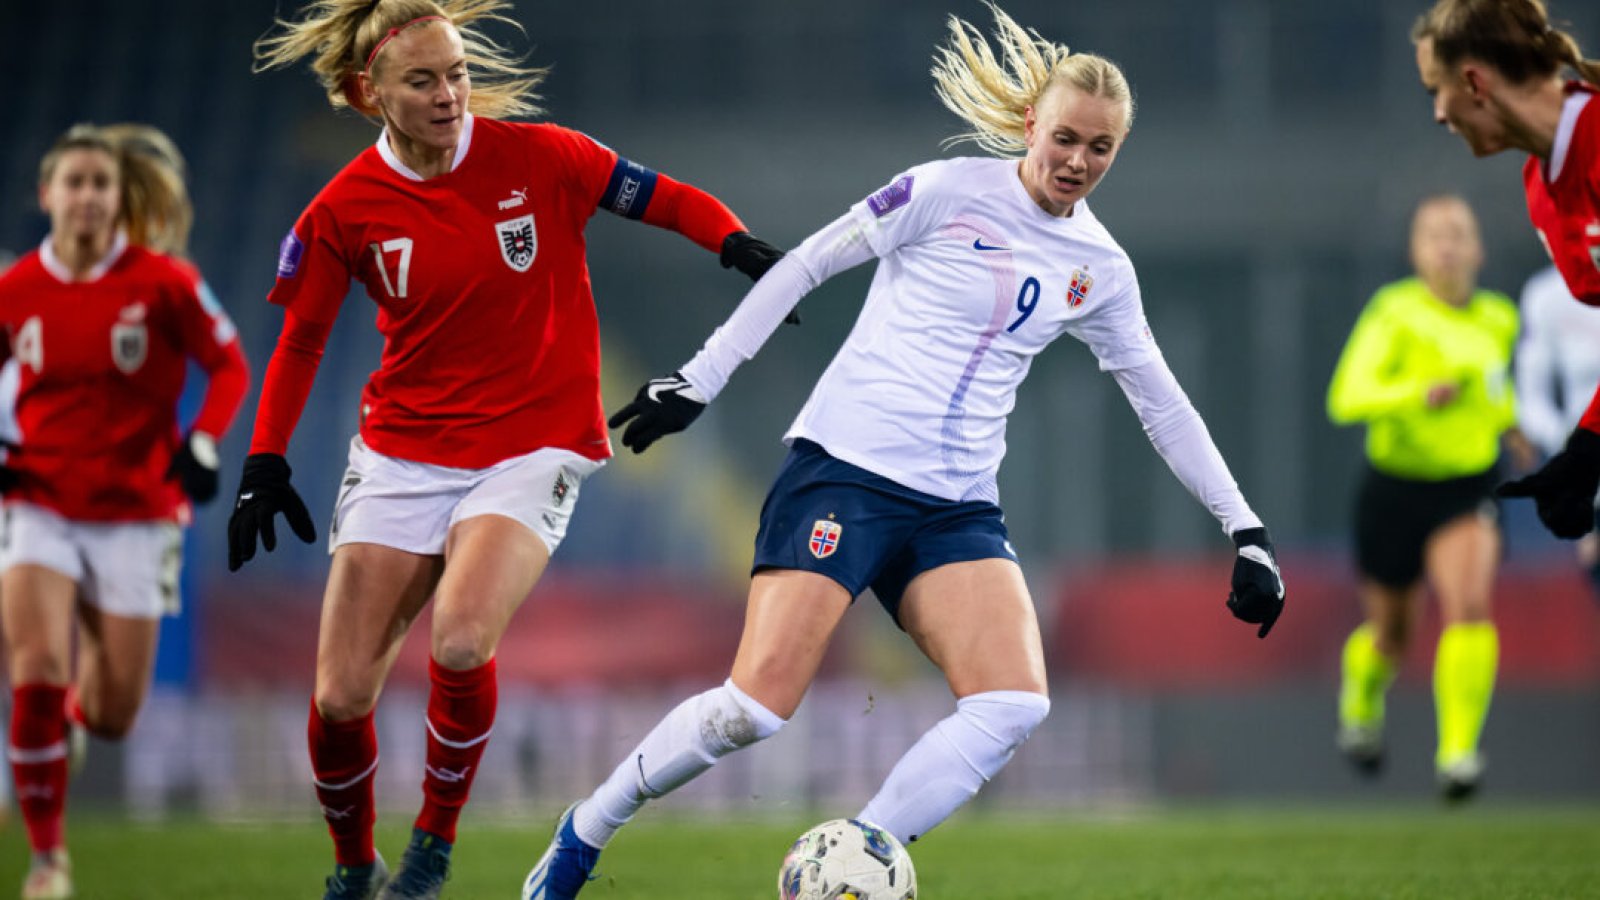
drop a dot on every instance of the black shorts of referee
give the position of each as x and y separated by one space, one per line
1396 516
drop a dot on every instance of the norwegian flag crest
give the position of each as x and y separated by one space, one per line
1078 288
825 538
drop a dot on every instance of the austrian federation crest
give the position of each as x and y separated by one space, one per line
825 538
519 243
130 339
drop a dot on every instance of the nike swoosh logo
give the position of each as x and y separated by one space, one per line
654 393
247 496
980 245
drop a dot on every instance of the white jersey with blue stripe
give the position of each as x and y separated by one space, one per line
974 280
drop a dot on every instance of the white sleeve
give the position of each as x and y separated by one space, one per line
1179 435
1536 373
839 246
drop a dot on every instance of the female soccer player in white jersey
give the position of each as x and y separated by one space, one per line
1495 70
891 478
102 326
483 418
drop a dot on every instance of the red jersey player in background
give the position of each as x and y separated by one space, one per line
484 416
102 326
1495 70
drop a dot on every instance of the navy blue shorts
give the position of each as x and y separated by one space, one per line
863 530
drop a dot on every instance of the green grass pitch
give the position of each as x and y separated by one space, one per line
1413 852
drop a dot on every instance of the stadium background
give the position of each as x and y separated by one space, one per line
1278 149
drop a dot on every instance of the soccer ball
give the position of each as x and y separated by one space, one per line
847 860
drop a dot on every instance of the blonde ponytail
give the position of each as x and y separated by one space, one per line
156 208
992 92
339 35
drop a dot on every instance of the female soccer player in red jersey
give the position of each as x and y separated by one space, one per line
102 327
484 417
1495 70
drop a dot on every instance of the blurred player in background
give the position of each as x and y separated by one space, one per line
102 325
1558 369
1495 70
484 417
1427 371
890 482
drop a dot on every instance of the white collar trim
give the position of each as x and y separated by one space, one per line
393 159
59 270
1570 110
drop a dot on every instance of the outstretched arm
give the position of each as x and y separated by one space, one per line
1179 435
668 405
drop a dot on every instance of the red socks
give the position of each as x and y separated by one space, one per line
344 759
461 710
39 761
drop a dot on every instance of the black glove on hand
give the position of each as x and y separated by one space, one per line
751 255
1257 595
1563 491
194 466
663 406
264 491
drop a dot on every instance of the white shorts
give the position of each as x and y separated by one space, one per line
125 568
411 506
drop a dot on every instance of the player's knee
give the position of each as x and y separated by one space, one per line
110 726
731 720
1007 718
460 652
341 704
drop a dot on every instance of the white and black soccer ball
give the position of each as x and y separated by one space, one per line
845 859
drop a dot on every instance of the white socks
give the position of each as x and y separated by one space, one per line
953 760
700 731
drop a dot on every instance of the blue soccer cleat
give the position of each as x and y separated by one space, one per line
357 882
423 870
565 867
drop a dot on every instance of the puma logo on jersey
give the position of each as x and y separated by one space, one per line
516 199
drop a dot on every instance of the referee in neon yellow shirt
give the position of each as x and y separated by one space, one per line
1426 370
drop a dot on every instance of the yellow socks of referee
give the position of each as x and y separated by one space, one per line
1463 683
1366 676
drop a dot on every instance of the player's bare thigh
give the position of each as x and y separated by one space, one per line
975 620
36 609
374 593
492 563
789 620
1460 559
116 657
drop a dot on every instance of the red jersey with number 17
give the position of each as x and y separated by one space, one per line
491 344
1566 209
102 364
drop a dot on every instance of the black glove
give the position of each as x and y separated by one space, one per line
1563 491
264 491
751 255
1257 595
9 478
663 406
194 466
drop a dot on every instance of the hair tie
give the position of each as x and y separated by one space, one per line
393 32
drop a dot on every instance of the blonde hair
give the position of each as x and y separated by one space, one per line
154 206
339 35
992 92
1514 36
